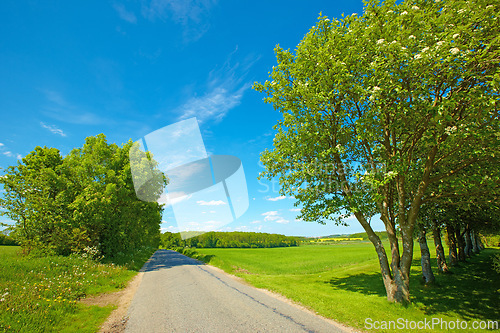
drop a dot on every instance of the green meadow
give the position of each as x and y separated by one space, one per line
342 282
41 294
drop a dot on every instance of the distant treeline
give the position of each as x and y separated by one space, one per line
381 234
6 240
234 239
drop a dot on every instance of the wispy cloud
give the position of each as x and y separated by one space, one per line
214 105
60 109
210 203
295 210
274 216
124 14
193 15
11 154
8 153
225 88
281 197
53 129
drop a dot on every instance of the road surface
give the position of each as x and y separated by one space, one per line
180 294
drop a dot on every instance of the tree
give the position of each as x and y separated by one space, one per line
378 107
32 197
85 200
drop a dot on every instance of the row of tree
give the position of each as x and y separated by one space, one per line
465 227
387 112
83 202
234 239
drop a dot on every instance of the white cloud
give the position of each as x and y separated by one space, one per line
225 88
255 222
210 203
241 228
273 216
214 105
8 153
124 13
193 15
173 198
53 129
295 210
170 228
281 197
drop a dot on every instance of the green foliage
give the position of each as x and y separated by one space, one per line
235 239
41 294
82 203
496 263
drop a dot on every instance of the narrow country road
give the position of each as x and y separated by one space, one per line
180 294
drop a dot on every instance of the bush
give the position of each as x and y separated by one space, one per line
496 263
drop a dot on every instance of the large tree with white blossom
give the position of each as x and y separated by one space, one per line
378 107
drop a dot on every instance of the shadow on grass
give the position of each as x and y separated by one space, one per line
368 284
472 291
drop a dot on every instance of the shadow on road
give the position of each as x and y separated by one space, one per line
163 259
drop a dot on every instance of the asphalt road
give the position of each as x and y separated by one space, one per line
180 294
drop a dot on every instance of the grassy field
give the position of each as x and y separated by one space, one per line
41 294
343 282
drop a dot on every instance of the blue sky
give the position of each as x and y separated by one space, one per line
128 68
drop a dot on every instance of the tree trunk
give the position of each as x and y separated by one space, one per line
479 242
468 242
452 245
440 257
475 245
396 283
425 260
460 245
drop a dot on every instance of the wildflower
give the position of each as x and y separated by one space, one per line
404 13
439 43
425 49
415 8
380 41
390 12
411 37
403 48
454 50
417 56
375 89
391 174
455 36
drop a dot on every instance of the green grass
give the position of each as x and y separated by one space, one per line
41 294
343 282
